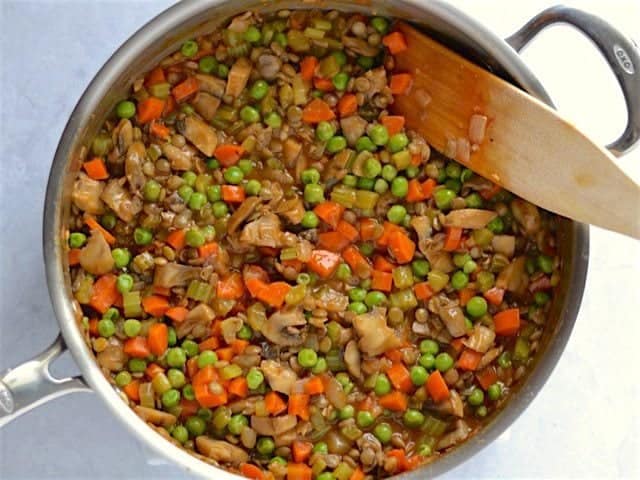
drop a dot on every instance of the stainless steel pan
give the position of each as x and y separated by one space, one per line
30 384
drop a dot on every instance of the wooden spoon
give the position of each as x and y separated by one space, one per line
526 148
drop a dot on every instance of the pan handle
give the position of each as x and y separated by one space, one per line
31 384
620 52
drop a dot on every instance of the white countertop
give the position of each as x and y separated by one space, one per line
584 423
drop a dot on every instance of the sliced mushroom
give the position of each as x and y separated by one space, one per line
180 159
473 218
481 339
460 433
203 136
377 81
280 377
210 84
352 359
433 249
291 149
272 426
280 328
230 327
331 300
335 393
206 105
136 153
514 276
238 77
174 274
263 232
221 451
242 213
112 358
269 66
291 209
527 215
353 128
197 322
157 417
125 205
122 137
96 256
452 315
359 46
504 244
86 194
375 335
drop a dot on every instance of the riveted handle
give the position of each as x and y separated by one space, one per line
31 384
620 52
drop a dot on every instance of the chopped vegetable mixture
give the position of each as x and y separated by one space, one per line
281 278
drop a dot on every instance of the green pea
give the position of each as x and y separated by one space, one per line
233 175
123 379
375 298
245 333
340 81
443 361
126 109
336 144
429 346
343 272
350 180
254 378
151 191
195 425
214 193
142 236
494 391
245 165
237 424
340 56
197 201
454 185
248 114
477 307
379 134
397 142
470 267
273 120
321 447
466 175
383 432
309 220
541 298
380 24
189 48
259 90
77 239
310 175
253 187
209 232
482 411
185 192
504 360
189 178
372 167
366 63
419 375
121 257
176 378
364 144
124 283
324 131
474 200
207 357
364 419
279 461
108 221
413 418
213 164
357 294
207 64
111 314
453 170
382 385
106 328
476 397
252 34
496 225
170 398
443 198
427 360
459 280
137 365
320 367
399 187
389 172
420 267
307 358
176 357
381 186
348 411
220 209
190 348
180 433
188 393
194 238
366 183
313 193
396 214
545 263
358 307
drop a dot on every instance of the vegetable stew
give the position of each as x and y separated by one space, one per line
281 278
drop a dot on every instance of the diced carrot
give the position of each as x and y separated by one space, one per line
347 105
395 355
323 84
507 322
333 241
401 459
465 295
132 390
428 186
152 370
104 293
299 405
159 130
423 291
437 387
314 386
251 471
399 377
317 111
238 345
255 286
382 281
382 264
211 343
274 403
150 109
469 360
192 367
358 262
415 193
400 83
158 338
329 212
136 347
238 387
74 256
494 295
395 42
225 353
401 247
155 305
208 249
93 327
395 401
274 294
357 474
177 239
170 106
416 159
301 450
299 471
308 67
457 344
387 229
228 154
96 169
94 225
163 291
201 387
324 262
488 194
413 462
185 89
233 194
188 408
155 76
487 377
394 123
348 230
230 287
452 239
369 229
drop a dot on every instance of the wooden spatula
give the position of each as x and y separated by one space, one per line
526 148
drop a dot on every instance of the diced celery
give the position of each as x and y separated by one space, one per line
200 291
160 90
401 159
296 295
482 237
403 299
402 277
366 200
85 289
132 304
231 371
343 471
300 90
433 426
521 350
313 33
345 196
297 41
334 360
328 67
321 24
437 280
289 253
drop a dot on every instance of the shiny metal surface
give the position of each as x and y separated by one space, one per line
165 33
